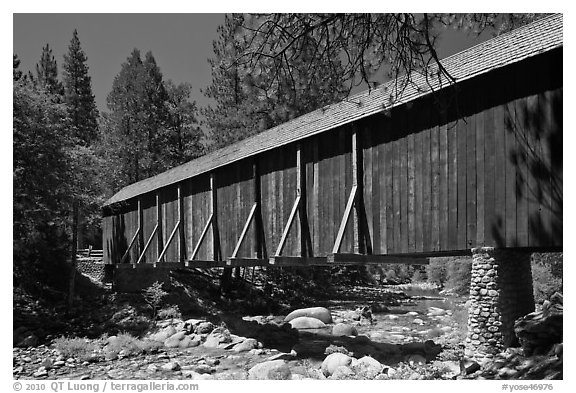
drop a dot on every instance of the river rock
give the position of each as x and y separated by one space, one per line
174 340
246 345
540 330
436 311
218 337
306 323
333 361
342 329
367 367
274 369
342 372
170 366
163 334
320 313
204 328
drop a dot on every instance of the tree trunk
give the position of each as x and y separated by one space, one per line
74 251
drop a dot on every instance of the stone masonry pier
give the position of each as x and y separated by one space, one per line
501 291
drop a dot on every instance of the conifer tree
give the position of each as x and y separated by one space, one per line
47 72
16 73
78 93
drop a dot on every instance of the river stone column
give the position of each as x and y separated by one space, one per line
501 291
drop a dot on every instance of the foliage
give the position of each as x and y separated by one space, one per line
547 275
154 295
355 48
41 178
80 348
47 74
170 312
128 345
436 271
250 99
452 273
151 126
78 94
459 275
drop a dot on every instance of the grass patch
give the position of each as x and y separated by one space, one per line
127 345
80 348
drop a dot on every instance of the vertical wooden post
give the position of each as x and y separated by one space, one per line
355 182
258 213
181 239
301 192
213 210
141 226
159 237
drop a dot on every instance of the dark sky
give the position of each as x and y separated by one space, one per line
181 44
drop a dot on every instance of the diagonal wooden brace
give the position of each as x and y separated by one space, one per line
288 225
349 205
243 234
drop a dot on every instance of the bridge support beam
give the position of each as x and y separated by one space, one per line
501 291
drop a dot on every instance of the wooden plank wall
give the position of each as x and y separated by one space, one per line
196 195
445 173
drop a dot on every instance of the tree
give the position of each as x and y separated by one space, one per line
78 93
47 73
40 184
183 134
152 125
16 73
362 44
128 119
83 131
253 99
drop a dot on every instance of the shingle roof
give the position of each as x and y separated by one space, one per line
530 40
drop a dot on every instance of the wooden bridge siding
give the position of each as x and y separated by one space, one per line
447 180
277 170
148 202
235 197
169 203
485 172
196 201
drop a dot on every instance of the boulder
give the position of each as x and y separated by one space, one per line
274 369
174 340
342 372
333 361
320 313
367 367
306 323
246 345
164 334
204 328
171 366
537 332
342 329
217 337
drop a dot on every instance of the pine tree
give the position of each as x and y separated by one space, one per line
16 73
251 98
82 112
47 72
78 93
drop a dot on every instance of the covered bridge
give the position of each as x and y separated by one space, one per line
437 168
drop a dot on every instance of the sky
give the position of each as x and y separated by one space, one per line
180 43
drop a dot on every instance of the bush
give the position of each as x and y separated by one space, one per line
80 348
546 275
153 295
459 275
436 271
130 346
170 312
